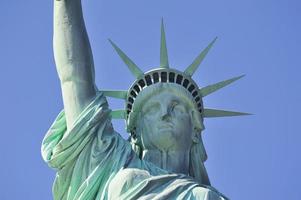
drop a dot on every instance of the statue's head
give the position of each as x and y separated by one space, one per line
164 108
166 118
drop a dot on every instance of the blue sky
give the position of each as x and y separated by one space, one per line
253 157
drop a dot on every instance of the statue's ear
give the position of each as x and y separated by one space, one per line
195 138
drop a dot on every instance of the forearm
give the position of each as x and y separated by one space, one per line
73 57
72 49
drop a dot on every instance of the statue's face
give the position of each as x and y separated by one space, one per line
165 122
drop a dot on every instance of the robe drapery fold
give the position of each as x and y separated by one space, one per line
93 162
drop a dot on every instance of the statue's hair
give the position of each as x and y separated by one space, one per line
197 152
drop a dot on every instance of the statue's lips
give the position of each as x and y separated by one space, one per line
166 126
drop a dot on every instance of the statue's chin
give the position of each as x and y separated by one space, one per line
165 138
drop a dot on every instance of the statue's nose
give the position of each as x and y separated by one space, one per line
166 116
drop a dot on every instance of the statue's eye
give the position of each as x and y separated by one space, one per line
179 108
151 109
173 105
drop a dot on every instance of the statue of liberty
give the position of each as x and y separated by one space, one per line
164 156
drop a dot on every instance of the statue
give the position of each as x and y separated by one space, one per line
164 157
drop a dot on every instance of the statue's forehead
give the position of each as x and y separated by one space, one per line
165 97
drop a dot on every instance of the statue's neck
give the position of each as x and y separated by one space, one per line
176 161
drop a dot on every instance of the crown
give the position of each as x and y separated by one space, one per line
165 74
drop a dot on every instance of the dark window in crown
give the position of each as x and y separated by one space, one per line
197 99
190 88
141 83
185 83
200 110
199 105
129 106
179 79
133 93
194 93
156 77
128 112
148 80
136 87
130 99
171 77
163 77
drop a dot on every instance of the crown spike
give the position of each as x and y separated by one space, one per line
197 61
136 71
214 87
163 48
118 114
221 113
119 94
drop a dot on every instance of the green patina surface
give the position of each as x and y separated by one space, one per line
94 162
164 157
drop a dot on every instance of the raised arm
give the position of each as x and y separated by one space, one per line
73 58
